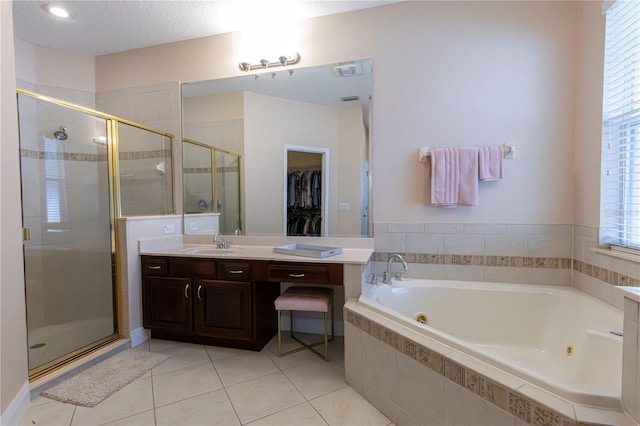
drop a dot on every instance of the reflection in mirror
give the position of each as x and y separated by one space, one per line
211 195
258 115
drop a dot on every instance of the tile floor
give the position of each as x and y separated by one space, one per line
208 385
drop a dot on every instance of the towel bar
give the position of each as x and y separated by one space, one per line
508 152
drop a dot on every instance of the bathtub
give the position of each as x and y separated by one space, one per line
554 337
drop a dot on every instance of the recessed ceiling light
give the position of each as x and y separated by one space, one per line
56 10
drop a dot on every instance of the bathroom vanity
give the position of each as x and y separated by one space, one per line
226 299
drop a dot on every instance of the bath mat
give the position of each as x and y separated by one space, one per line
91 386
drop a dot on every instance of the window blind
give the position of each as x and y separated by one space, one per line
620 186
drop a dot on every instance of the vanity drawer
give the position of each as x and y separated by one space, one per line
192 267
154 266
234 271
306 273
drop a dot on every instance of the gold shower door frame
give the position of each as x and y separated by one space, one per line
115 211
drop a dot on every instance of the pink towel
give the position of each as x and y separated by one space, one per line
490 163
454 177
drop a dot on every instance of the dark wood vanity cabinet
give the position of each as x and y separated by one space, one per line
220 302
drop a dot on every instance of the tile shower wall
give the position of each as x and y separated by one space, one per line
531 254
156 106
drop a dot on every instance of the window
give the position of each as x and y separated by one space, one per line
620 187
54 181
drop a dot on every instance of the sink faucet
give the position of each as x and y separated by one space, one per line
221 244
386 277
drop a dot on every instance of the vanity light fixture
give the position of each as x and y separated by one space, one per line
58 11
265 64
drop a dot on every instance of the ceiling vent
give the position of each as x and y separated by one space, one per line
347 70
349 98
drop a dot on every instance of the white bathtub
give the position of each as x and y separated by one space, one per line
557 338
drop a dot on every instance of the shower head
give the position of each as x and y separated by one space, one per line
61 133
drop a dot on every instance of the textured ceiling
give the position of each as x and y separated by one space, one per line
100 27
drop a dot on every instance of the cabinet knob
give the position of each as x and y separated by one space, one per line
296 275
186 291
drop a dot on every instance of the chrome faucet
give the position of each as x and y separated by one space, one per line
221 244
386 277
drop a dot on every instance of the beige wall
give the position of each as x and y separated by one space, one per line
271 123
13 349
351 152
446 74
588 133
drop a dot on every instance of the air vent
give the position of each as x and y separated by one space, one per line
347 70
349 98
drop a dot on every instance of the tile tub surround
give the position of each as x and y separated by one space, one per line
631 353
535 254
440 385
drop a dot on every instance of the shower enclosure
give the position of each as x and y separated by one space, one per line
72 190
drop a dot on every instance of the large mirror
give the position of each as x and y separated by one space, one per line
273 120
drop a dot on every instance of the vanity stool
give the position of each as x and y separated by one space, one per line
310 299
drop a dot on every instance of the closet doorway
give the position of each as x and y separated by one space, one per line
305 181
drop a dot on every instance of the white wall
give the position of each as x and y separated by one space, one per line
13 350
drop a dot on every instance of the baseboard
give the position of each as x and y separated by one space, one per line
139 336
312 325
17 407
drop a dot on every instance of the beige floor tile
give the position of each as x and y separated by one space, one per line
148 418
50 413
317 378
218 352
302 414
211 408
184 383
132 399
347 407
183 355
263 396
291 360
243 367
158 345
39 400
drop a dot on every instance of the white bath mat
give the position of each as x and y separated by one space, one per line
91 386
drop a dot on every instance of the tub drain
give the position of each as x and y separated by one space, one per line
569 350
422 318
37 346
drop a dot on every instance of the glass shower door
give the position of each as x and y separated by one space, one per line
67 216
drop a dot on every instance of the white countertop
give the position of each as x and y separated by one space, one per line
174 247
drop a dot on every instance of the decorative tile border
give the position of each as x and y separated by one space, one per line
207 170
479 260
66 156
505 398
606 275
76 156
597 272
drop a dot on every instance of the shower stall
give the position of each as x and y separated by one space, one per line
72 191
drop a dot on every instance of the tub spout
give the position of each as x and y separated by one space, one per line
386 278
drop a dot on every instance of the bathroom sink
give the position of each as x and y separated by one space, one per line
206 250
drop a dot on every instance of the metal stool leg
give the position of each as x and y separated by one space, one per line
279 334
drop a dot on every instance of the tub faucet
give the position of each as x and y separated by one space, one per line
386 277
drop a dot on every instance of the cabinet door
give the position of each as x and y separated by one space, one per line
223 309
167 303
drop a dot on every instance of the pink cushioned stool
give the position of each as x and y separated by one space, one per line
313 299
